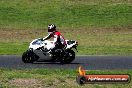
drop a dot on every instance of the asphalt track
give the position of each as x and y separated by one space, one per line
88 62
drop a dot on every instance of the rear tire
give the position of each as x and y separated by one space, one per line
29 57
68 59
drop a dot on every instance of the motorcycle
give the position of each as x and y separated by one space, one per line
41 51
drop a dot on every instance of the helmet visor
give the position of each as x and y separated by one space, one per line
50 30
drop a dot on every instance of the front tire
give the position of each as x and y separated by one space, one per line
29 57
68 58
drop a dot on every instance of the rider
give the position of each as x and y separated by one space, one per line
59 41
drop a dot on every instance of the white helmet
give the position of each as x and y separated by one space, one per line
51 28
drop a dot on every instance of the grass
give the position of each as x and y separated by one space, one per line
103 27
13 48
23 14
91 41
52 78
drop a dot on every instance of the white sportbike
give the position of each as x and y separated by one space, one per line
41 51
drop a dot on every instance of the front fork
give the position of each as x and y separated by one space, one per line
76 49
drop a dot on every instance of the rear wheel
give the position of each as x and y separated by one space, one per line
29 57
68 58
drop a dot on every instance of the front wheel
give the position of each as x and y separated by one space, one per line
68 58
28 57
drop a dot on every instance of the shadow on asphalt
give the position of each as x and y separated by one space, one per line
54 63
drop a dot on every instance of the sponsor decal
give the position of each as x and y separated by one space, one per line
83 78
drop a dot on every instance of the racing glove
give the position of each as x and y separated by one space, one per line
41 39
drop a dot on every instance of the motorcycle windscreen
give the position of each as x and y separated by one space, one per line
37 42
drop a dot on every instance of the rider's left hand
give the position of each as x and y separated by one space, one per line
41 39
